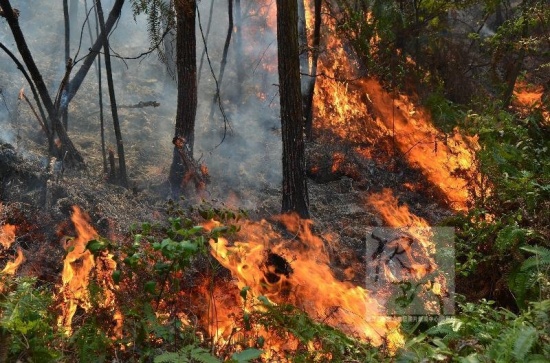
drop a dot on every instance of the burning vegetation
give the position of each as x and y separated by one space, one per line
410 195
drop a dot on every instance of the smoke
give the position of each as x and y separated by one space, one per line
249 158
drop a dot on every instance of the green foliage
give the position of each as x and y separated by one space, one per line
197 354
90 342
513 217
160 21
482 333
444 112
26 325
287 319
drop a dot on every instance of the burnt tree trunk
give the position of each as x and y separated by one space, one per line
310 88
239 47
122 178
205 40
302 41
67 23
223 63
295 195
186 63
100 96
68 151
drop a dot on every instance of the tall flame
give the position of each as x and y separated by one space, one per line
297 271
78 266
359 109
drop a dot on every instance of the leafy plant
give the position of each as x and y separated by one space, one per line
26 324
483 333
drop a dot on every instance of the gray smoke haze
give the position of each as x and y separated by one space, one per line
249 157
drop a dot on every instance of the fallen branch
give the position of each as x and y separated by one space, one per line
141 104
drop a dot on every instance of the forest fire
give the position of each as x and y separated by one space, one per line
413 244
296 271
360 110
7 237
78 266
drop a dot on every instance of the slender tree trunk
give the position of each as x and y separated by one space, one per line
169 46
239 47
224 58
295 195
68 151
310 90
205 41
67 23
187 87
122 176
302 41
99 90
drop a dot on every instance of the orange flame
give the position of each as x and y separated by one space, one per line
527 96
297 271
360 110
78 265
418 256
7 235
12 266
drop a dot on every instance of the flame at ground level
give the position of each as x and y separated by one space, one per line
77 269
296 271
414 251
360 110
7 237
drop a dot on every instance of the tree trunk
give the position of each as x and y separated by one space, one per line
216 98
205 39
302 41
67 23
187 86
122 176
295 196
239 48
68 151
169 44
100 91
310 90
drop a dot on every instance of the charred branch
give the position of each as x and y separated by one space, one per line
141 104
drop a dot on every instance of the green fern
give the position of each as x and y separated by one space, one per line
160 21
510 237
194 353
541 258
